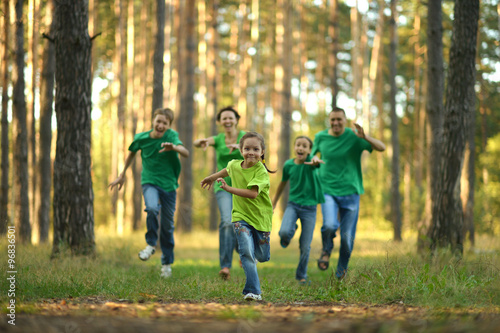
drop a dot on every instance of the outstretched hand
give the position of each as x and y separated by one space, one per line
118 181
166 146
315 161
360 132
232 147
204 143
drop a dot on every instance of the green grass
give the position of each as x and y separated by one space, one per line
381 272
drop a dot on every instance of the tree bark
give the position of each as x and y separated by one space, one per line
45 143
185 124
395 194
73 193
434 108
158 55
21 187
447 218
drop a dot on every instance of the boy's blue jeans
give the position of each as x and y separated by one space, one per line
347 207
227 238
160 202
253 245
307 216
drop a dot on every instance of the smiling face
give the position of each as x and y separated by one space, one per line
302 149
228 120
160 124
337 123
251 150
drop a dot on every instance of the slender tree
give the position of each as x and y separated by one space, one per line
158 55
73 194
447 218
186 114
434 107
21 187
45 142
4 186
395 194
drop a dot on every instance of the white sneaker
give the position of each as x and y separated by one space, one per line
252 297
166 271
146 253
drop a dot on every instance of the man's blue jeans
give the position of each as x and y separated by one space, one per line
253 245
227 238
307 216
347 208
160 202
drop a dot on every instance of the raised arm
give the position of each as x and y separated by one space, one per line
168 146
376 144
121 177
207 182
251 193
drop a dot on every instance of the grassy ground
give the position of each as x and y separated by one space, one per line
381 273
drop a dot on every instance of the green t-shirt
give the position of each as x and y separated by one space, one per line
223 155
305 187
341 174
160 169
257 212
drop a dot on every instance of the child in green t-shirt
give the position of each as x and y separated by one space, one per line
304 195
161 168
252 208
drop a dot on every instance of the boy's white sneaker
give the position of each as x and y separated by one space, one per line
146 253
252 297
166 271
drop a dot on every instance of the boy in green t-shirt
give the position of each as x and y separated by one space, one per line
305 194
161 168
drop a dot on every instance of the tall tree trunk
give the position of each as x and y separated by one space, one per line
45 143
158 56
186 114
395 194
447 218
334 33
434 108
4 186
286 92
21 187
213 93
73 193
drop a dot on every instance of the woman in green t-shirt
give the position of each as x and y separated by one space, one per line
226 149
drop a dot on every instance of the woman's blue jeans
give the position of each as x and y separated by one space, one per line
227 238
163 203
347 208
307 216
253 246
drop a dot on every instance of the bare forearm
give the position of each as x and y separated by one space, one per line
242 192
128 162
376 144
182 150
278 193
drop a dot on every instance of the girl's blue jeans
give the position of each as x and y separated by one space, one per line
159 202
307 216
253 246
227 238
347 208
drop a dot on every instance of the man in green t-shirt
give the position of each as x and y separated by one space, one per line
342 182
160 148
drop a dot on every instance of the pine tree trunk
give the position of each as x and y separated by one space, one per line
395 194
73 193
4 186
158 55
334 33
21 187
447 218
186 114
45 144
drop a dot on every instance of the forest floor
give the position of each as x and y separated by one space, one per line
100 315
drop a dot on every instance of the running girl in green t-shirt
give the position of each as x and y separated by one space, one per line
252 209
304 195
226 149
161 168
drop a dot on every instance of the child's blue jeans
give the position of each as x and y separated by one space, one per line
160 202
307 216
253 245
227 238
